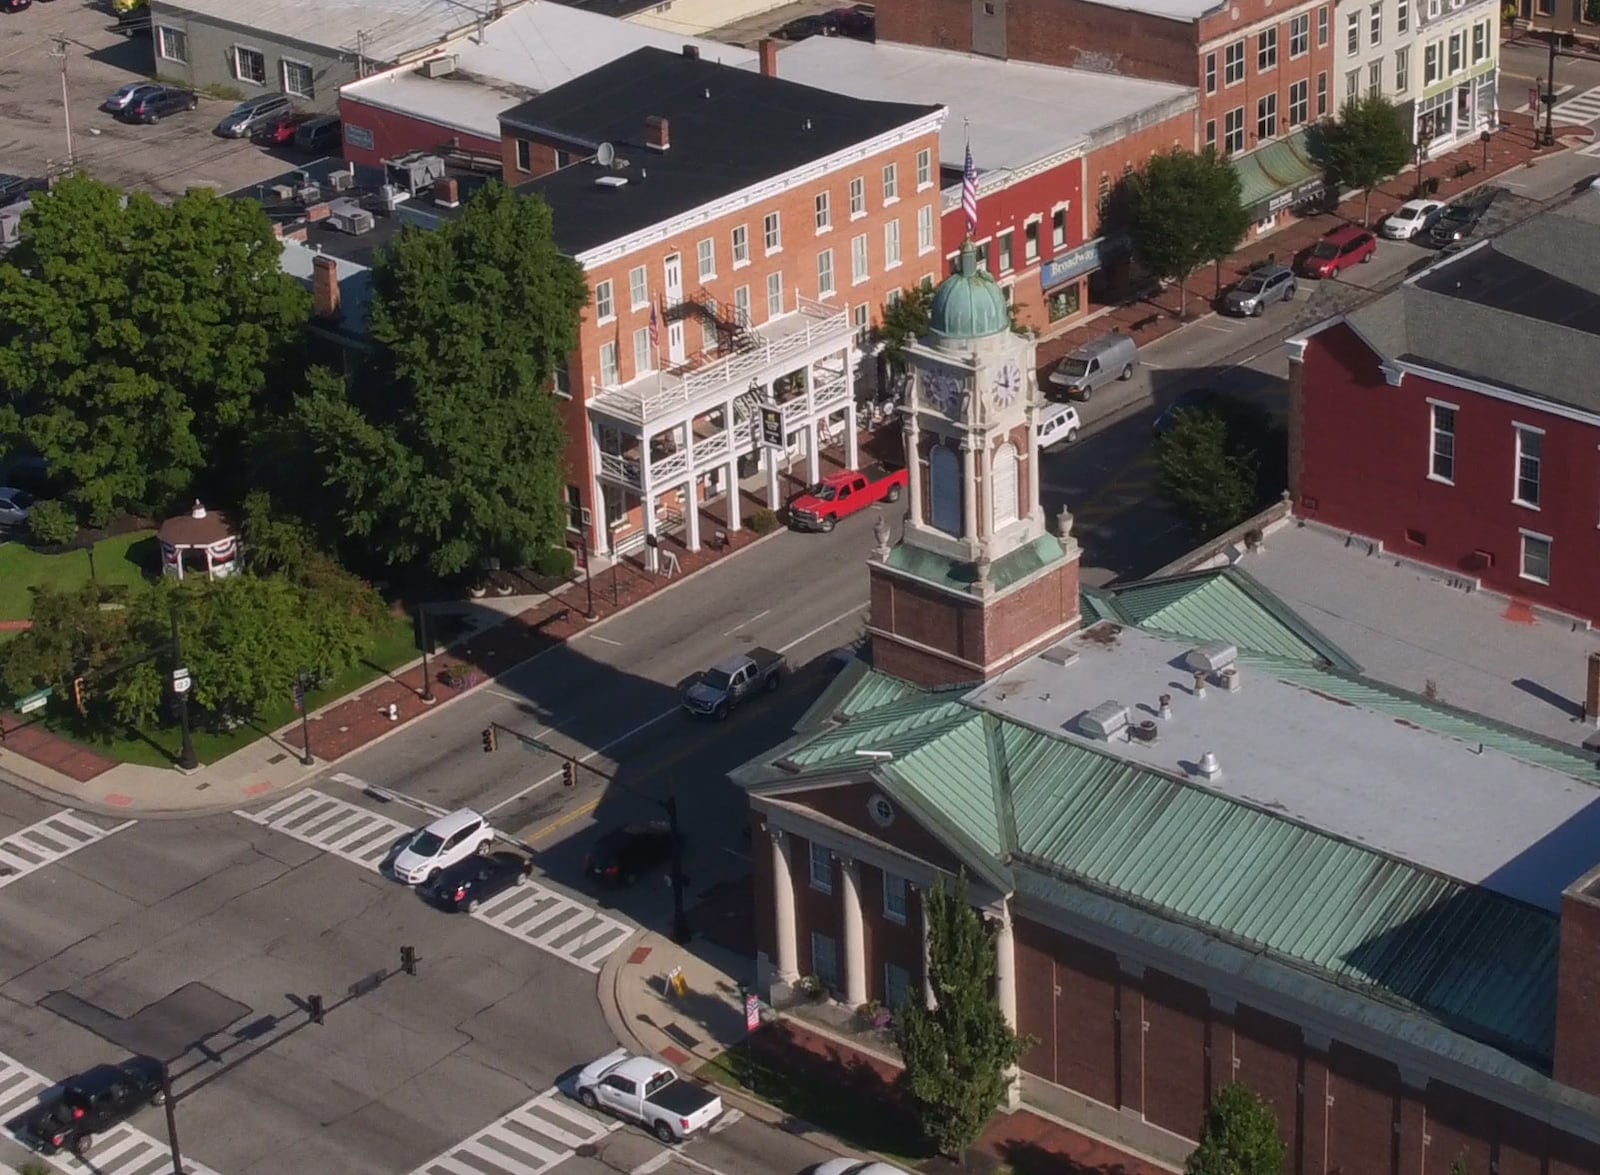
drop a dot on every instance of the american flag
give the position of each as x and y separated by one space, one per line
655 329
969 194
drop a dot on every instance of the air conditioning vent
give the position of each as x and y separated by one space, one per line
1211 657
1105 721
611 181
1144 732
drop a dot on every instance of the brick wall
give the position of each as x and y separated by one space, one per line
1366 1095
887 941
1577 1060
1174 1084
1108 163
1266 1056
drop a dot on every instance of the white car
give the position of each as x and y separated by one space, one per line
650 1092
1057 423
1411 218
433 849
14 506
855 1167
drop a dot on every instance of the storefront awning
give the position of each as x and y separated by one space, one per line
1279 175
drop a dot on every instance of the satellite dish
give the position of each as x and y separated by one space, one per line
606 155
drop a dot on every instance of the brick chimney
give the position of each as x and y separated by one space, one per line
324 286
692 52
1577 1035
1591 704
446 193
655 133
769 57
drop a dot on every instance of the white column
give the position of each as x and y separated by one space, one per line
814 451
913 441
691 512
855 937
647 494
769 458
969 495
788 950
852 442
732 471
1005 982
986 463
1032 452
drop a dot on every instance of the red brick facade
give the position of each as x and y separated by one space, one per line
392 135
1578 989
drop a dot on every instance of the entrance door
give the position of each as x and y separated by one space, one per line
675 345
672 279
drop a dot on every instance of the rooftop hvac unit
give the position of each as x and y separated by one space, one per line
611 181
415 172
282 193
349 217
1211 657
1105 721
391 197
308 193
341 181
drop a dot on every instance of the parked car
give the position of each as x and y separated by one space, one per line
859 20
14 506
649 1092
239 122
15 5
1193 400
449 839
1411 219
815 25
727 683
1455 224
93 1102
842 494
1082 373
124 96
154 105
856 1167
624 854
279 131
1338 251
1259 289
320 135
467 884
15 187
1057 423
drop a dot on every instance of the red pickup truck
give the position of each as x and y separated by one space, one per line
840 495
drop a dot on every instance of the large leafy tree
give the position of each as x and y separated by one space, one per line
1205 471
1368 144
905 320
448 450
1182 211
1240 1138
957 1054
143 342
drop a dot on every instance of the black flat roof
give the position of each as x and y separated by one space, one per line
728 129
1498 281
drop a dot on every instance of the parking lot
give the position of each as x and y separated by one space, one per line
166 159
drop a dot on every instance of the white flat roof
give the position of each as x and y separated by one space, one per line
530 50
387 30
1477 815
1015 113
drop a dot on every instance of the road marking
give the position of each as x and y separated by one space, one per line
122 1150
32 848
604 640
531 1139
1580 110
823 627
385 794
729 1117
562 821
650 1166
500 693
747 623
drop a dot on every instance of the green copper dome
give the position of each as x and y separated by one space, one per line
969 304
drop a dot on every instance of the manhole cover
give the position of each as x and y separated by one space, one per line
587 1151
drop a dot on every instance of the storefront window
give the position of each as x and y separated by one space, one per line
1063 303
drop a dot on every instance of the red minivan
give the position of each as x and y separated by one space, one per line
1339 250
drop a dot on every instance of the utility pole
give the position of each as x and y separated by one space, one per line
172 1120
180 689
1549 137
60 54
361 53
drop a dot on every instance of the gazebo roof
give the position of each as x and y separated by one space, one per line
198 528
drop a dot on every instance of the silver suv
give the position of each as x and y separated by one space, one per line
1259 289
245 117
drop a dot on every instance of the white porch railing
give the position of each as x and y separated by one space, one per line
619 468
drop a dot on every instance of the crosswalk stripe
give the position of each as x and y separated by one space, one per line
32 848
1579 110
525 1141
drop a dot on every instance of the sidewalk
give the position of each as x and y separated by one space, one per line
709 1018
1514 146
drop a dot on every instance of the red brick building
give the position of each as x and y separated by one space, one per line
1443 423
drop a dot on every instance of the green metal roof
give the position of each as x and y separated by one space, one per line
957 776
960 576
1271 169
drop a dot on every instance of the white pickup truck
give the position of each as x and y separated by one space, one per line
650 1093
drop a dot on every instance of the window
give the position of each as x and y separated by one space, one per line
825 960
1233 131
925 229
1267 117
774 294
1211 134
863 322
772 232
1299 35
1352 85
1480 41
1058 229
1030 242
1430 63
741 246
1442 445
1375 24
891 244
1402 69
524 156
1103 196
1402 16
1299 102
608 365
574 508
1536 557
1322 94
891 183
605 306
638 288
1003 483
1233 63
858 197
858 259
1005 251
924 169
641 351
741 304
896 986
894 898
821 864
1375 78
1211 73
1322 26
249 65
706 257
1456 51
298 80
944 489
824 212
174 44
1530 446
1352 32
825 286
708 335
1267 50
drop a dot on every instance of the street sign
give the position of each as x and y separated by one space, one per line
180 681
772 427
34 701
752 1012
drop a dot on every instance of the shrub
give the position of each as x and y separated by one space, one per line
557 562
763 521
52 523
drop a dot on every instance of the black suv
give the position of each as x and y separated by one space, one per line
95 1101
466 884
1456 223
158 103
623 854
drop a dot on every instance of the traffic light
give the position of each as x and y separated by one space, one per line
569 773
489 740
314 1008
77 694
408 960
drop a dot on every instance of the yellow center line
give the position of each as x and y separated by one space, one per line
562 821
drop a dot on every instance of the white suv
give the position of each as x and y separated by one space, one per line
449 839
1057 423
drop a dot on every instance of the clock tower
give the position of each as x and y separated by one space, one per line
978 581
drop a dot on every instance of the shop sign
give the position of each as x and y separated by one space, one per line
772 427
358 136
1086 258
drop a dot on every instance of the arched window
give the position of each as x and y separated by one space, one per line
944 490
1003 488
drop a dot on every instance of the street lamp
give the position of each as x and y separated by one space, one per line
172 1120
588 570
180 689
680 918
1548 138
427 678
302 689
1424 137
1484 139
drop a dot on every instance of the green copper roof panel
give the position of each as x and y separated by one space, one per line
875 690
897 727
955 776
959 575
1481 963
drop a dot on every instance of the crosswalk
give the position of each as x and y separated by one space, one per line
121 1150
49 840
1580 110
531 1139
540 917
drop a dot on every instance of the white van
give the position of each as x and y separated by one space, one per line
1057 423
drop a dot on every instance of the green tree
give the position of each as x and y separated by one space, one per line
449 450
71 635
1368 144
1240 1137
905 320
1201 470
52 523
957 1054
1183 211
144 342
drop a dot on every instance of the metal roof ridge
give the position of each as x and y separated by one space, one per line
1265 598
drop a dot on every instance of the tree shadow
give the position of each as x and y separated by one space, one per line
1030 1158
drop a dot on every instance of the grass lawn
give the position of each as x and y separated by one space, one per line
118 560
395 645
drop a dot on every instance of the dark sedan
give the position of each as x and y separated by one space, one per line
14 5
468 884
159 103
624 854
1455 223
802 27
94 1102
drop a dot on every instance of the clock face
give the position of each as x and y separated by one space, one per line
1007 385
944 392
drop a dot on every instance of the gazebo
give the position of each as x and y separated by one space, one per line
198 541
